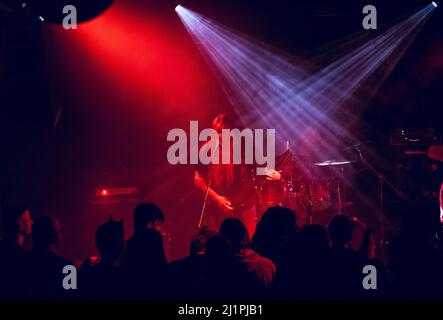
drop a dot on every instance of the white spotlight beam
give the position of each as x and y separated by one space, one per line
349 72
254 74
265 88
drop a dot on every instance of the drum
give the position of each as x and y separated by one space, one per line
272 193
315 195
311 201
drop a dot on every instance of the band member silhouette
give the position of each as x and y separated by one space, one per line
229 189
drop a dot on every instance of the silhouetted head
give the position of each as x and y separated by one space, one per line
45 233
17 221
110 240
236 232
313 238
340 230
276 222
218 248
222 121
148 216
198 245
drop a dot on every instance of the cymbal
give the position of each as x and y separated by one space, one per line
333 163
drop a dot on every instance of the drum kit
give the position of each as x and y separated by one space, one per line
313 189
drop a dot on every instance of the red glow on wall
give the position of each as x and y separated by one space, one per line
147 55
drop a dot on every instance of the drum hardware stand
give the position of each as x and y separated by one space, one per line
257 192
340 203
310 205
339 192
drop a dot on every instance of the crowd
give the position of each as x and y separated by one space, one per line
281 261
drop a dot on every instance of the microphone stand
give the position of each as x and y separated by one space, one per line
382 181
205 201
200 222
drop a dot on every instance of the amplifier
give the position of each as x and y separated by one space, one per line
109 192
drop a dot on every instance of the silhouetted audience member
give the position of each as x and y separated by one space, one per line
413 261
223 276
198 244
186 272
17 224
276 226
260 268
103 279
302 267
44 267
144 263
345 264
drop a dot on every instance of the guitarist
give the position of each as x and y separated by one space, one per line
230 188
